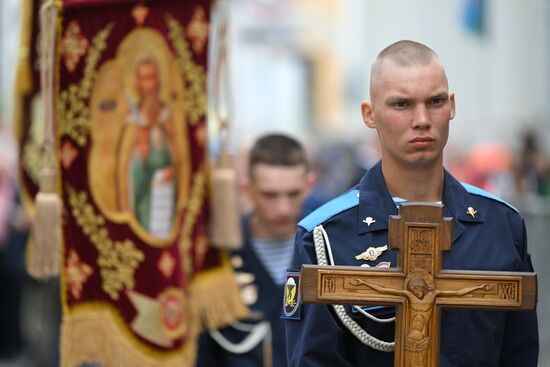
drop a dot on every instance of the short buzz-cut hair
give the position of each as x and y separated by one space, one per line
403 53
277 150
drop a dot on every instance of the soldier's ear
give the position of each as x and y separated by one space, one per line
367 112
453 106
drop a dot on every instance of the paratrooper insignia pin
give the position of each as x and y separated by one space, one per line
369 220
372 253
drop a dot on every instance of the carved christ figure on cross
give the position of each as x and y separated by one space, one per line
421 298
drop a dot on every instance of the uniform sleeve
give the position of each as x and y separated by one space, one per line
521 338
315 340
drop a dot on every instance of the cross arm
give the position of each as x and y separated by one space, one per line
350 285
489 290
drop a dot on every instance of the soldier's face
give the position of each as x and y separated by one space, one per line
277 193
410 109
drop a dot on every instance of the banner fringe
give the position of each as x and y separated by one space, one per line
96 336
215 298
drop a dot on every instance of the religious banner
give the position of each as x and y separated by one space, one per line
139 279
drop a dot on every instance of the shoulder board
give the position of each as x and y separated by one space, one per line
330 209
477 191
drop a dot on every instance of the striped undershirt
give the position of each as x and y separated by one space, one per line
275 256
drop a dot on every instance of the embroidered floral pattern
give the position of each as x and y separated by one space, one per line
73 46
166 264
197 30
140 13
194 206
73 111
117 260
194 75
77 273
68 154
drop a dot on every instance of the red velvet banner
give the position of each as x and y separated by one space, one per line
138 274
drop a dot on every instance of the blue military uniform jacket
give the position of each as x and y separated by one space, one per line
267 306
492 239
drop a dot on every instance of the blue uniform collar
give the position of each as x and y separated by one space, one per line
376 202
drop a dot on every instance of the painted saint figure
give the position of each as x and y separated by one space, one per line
151 176
421 299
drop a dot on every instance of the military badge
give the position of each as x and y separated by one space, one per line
292 304
471 211
369 221
372 253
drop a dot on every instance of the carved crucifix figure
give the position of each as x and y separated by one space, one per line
419 285
420 301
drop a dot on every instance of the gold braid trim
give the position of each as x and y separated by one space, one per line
193 74
216 298
118 260
97 336
74 113
193 209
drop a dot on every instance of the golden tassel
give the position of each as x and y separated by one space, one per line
225 229
44 257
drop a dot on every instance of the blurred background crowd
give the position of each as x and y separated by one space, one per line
301 67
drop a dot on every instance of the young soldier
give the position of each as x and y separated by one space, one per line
277 185
410 108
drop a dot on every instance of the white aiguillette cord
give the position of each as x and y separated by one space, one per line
322 245
256 333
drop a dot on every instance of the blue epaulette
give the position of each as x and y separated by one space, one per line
477 191
330 209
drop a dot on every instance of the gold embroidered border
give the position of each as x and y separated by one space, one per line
194 205
74 112
118 346
117 260
193 74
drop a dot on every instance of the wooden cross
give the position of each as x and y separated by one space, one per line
419 286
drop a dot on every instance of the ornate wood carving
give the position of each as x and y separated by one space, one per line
419 286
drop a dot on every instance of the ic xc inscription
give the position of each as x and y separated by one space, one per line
421 239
